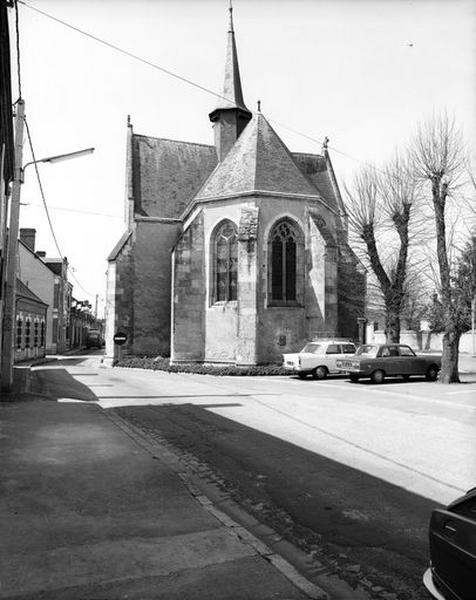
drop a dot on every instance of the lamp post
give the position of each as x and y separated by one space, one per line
12 248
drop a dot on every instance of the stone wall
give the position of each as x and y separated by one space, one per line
188 336
422 340
152 286
221 319
119 312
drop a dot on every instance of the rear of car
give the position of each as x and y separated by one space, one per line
318 358
94 339
452 571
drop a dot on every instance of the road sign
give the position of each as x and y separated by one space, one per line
120 338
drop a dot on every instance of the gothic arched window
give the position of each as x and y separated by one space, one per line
225 247
284 254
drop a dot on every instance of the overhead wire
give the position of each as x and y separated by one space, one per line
146 62
30 142
171 73
17 32
45 206
125 52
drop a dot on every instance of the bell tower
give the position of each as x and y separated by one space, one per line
230 116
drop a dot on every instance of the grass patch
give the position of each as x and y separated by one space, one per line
163 364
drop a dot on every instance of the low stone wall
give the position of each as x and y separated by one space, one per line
423 340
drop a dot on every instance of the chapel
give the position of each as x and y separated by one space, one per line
235 252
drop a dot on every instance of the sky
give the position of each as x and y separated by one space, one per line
362 72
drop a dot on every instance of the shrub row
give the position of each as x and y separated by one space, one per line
163 364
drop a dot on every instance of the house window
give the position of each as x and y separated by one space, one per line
225 246
35 334
42 334
27 333
283 248
19 333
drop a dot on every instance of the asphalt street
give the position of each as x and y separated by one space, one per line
347 472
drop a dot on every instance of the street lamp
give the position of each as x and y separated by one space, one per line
12 248
55 159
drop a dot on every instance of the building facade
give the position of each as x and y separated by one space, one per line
30 324
235 252
48 279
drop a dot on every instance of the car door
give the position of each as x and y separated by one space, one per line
410 364
333 353
453 546
387 360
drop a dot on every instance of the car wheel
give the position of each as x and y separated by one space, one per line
432 373
302 375
377 376
320 373
354 378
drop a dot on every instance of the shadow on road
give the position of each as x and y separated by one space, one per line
57 383
344 515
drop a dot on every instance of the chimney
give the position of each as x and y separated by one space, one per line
41 253
27 236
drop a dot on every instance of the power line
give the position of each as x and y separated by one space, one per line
40 185
180 77
42 193
74 210
126 52
17 32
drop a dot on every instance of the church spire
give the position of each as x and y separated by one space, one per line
231 114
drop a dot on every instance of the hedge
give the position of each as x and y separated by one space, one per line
163 364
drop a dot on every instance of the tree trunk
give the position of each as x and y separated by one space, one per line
392 326
449 360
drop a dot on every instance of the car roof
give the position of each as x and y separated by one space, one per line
331 340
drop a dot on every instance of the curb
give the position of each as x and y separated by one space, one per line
192 484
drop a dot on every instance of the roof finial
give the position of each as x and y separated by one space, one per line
230 8
259 105
325 143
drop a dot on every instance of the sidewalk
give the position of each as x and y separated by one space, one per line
86 512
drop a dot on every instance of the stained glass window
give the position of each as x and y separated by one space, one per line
283 262
226 262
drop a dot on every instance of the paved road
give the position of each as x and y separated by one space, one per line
347 471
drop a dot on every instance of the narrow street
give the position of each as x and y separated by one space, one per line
347 472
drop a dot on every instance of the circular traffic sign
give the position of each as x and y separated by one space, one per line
120 338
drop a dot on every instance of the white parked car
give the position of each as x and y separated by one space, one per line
318 358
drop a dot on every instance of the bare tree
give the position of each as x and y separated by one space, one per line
438 158
380 206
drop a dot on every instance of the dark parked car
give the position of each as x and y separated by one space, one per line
452 571
378 361
94 339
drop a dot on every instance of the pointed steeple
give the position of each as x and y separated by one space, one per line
231 114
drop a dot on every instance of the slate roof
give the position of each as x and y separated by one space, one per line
258 161
23 291
315 168
167 174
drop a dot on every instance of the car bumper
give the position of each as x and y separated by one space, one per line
429 583
296 370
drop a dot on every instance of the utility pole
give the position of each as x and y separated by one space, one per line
96 307
12 250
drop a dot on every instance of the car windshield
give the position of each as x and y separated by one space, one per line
367 350
312 348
